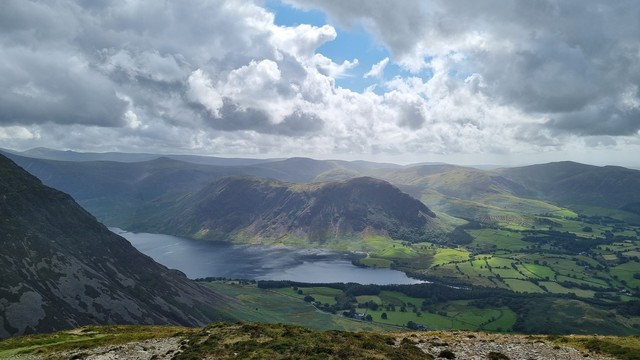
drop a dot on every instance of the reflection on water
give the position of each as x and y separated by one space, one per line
198 259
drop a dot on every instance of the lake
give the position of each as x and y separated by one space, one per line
199 258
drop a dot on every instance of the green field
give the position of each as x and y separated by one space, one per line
446 255
500 239
537 271
454 315
369 298
626 273
398 299
285 305
258 305
523 286
556 288
323 295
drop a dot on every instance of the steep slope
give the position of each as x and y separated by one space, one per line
113 191
61 268
249 208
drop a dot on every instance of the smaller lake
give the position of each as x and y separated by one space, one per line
199 258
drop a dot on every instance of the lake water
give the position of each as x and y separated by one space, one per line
198 259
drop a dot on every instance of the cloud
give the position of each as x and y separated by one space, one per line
202 91
554 59
396 26
54 86
222 77
608 120
377 70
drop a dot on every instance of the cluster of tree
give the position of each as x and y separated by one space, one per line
583 286
219 278
629 308
459 237
597 220
349 289
412 235
567 241
280 284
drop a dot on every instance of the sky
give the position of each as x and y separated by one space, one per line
468 82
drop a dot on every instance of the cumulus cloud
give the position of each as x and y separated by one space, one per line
220 76
554 59
377 70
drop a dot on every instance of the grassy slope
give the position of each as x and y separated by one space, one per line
87 337
258 305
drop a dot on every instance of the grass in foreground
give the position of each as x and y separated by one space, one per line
277 341
623 348
87 337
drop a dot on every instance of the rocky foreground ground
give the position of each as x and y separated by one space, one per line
462 346
263 341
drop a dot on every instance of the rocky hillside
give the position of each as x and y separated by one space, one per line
60 268
257 208
277 341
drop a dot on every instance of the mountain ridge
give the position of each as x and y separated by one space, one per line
258 208
61 268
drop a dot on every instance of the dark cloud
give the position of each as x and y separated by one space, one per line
607 120
300 123
545 79
55 87
411 116
234 118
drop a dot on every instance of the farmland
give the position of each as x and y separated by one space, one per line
559 253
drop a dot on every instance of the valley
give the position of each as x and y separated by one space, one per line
496 253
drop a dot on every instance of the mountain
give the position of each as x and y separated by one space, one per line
465 192
116 191
452 180
570 183
300 169
259 209
68 155
60 268
113 191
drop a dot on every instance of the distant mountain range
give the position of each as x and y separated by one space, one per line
68 155
60 268
118 193
571 183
